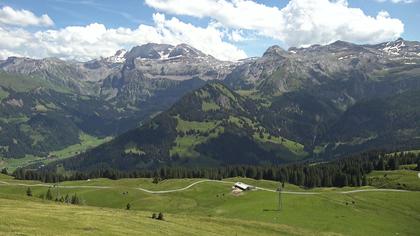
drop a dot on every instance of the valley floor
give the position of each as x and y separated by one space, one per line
203 207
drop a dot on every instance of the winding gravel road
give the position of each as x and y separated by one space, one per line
199 182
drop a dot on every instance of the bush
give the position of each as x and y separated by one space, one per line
154 216
128 206
160 216
29 192
49 196
75 200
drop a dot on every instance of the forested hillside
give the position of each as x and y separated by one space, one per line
319 102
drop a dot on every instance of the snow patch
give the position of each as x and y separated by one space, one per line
163 55
393 49
346 57
118 57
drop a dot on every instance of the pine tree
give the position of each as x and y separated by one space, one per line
381 165
128 206
29 192
154 216
75 200
393 164
156 180
364 181
49 195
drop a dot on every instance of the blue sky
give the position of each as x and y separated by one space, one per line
219 29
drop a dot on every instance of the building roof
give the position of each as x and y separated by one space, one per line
242 185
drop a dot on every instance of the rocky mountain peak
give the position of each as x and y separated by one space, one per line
399 49
149 51
339 44
118 57
153 51
394 47
185 50
274 51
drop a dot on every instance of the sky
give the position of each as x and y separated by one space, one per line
227 29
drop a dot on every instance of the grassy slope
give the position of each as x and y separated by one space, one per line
401 179
43 218
374 213
25 83
184 146
86 142
294 147
3 94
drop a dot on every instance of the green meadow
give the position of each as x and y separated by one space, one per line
86 142
209 208
399 179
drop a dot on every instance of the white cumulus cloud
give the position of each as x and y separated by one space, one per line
299 23
95 40
10 16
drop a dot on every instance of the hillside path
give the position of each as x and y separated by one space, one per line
195 183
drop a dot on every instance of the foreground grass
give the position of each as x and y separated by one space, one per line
27 217
211 205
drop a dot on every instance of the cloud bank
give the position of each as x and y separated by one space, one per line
299 23
95 40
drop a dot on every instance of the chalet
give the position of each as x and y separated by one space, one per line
242 186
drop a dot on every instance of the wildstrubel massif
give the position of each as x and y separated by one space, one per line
321 101
47 104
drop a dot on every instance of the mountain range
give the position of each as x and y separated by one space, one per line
102 97
174 105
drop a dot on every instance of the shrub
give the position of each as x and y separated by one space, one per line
29 192
49 196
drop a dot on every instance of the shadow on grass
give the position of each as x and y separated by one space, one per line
271 210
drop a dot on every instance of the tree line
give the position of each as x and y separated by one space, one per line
351 171
74 199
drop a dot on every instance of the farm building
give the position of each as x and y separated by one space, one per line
242 186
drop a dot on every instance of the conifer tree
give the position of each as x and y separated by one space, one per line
29 192
49 195
75 200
